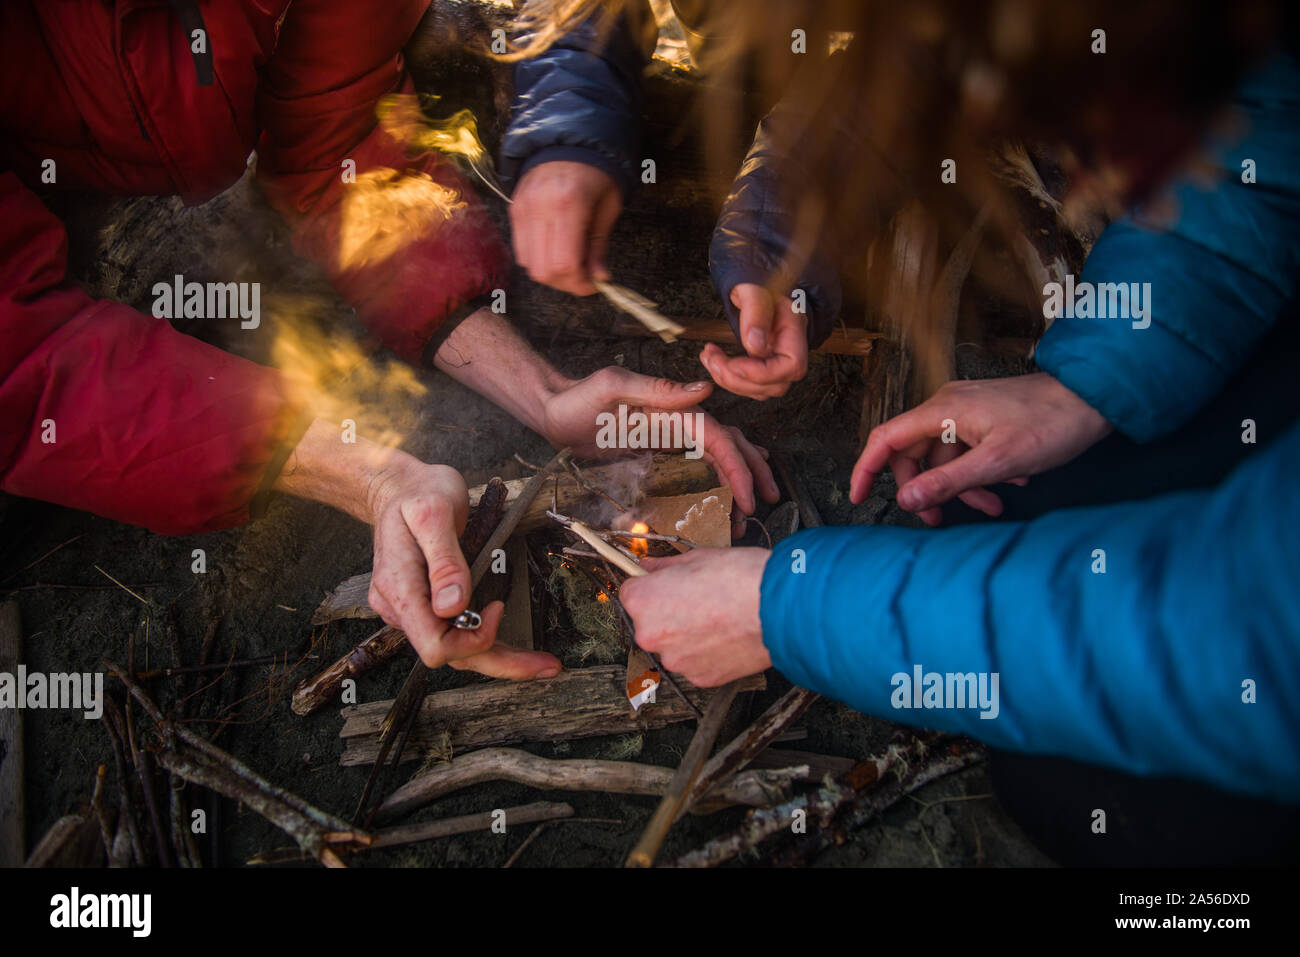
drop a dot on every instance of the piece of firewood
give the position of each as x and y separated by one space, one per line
442 827
323 686
668 475
575 774
836 811
579 703
679 789
819 765
517 626
13 835
741 749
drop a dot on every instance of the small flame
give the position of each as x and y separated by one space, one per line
601 596
639 546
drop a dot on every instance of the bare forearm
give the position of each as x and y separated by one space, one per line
345 475
486 354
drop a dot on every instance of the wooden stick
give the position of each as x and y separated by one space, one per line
742 749
573 774
602 547
200 770
443 827
577 703
646 849
641 309
13 827
73 841
323 686
326 821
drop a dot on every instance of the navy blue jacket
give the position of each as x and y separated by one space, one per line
581 100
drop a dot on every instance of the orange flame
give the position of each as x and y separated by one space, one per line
639 546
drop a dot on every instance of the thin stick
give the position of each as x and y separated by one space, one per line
603 548
97 805
228 761
641 309
43 557
121 586
706 732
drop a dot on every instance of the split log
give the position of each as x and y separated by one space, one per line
668 475
581 703
13 835
578 774
517 625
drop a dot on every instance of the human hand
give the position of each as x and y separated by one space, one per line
569 419
561 217
420 577
1005 431
776 340
700 613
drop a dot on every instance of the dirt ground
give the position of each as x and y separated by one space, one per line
263 580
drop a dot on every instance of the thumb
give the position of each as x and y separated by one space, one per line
757 314
602 224
434 529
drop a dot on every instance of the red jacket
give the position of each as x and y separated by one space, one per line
153 427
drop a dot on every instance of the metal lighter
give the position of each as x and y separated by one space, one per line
468 620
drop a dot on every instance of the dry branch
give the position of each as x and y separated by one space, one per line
834 812
72 841
742 749
578 703
576 774
320 688
443 827
706 732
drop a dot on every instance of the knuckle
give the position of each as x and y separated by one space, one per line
443 567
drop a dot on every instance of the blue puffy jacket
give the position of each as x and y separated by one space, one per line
1183 657
581 100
